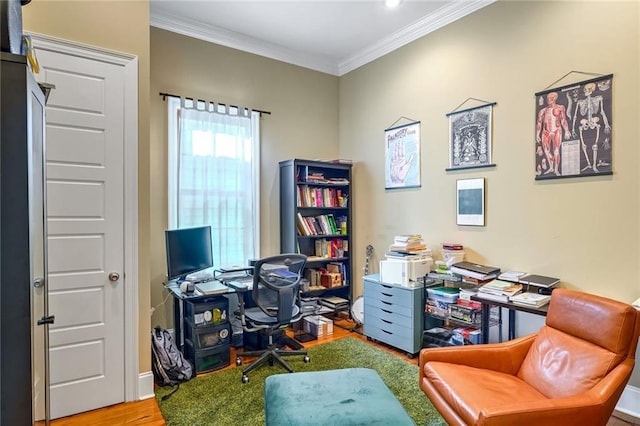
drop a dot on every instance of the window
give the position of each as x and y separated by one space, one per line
213 176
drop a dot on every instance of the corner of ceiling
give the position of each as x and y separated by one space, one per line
443 16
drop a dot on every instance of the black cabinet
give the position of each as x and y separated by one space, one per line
23 289
315 219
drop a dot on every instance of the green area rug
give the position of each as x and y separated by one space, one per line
222 399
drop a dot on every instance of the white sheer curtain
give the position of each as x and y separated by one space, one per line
213 176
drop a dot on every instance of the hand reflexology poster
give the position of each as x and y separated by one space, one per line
402 156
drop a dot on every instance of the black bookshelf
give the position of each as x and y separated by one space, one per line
318 202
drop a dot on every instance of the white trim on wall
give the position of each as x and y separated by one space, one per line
629 402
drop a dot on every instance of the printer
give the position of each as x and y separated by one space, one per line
405 272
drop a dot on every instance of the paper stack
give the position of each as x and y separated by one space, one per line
499 291
533 300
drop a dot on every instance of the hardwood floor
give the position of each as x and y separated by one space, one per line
147 412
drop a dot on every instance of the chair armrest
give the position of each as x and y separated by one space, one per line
503 357
592 407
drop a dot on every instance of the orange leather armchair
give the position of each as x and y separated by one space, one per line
572 372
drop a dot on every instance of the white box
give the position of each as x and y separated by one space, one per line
317 325
403 272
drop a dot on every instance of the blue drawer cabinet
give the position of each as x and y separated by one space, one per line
393 314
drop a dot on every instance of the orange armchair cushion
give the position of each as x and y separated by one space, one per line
556 356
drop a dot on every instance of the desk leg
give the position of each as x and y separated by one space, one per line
177 324
485 323
512 324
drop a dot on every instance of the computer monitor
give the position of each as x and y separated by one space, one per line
188 250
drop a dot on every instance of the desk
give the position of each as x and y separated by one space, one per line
512 307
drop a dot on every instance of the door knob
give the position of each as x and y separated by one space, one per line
38 282
114 276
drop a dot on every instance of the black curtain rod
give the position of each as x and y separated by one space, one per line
165 95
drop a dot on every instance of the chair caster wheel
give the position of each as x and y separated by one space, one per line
238 361
245 378
306 359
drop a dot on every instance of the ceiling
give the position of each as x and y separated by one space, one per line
333 36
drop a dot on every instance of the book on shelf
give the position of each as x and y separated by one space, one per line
513 276
494 297
452 246
479 272
409 248
530 299
407 238
334 302
476 281
471 274
476 268
444 276
539 280
501 288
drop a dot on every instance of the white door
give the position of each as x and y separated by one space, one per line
85 201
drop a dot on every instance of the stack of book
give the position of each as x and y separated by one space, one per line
500 291
513 276
408 244
334 302
474 273
533 300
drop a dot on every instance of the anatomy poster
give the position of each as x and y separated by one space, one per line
574 130
402 156
470 137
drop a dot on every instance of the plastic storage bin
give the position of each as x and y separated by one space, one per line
205 312
206 360
444 294
208 337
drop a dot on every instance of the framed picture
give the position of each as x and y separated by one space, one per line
470 202
574 130
402 156
470 138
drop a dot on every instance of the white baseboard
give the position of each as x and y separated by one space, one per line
145 386
629 402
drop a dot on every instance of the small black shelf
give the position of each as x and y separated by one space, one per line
345 209
326 259
324 236
324 185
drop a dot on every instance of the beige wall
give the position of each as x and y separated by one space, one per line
121 26
303 124
583 230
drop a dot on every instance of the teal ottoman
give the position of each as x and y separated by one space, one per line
351 396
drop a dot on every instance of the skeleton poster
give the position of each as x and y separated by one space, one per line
574 134
470 138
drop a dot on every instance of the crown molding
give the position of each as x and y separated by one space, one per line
443 16
242 42
436 20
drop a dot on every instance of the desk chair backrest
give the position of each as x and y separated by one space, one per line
276 285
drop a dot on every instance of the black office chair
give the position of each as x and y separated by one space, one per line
276 292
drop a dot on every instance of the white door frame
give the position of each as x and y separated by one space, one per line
130 66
